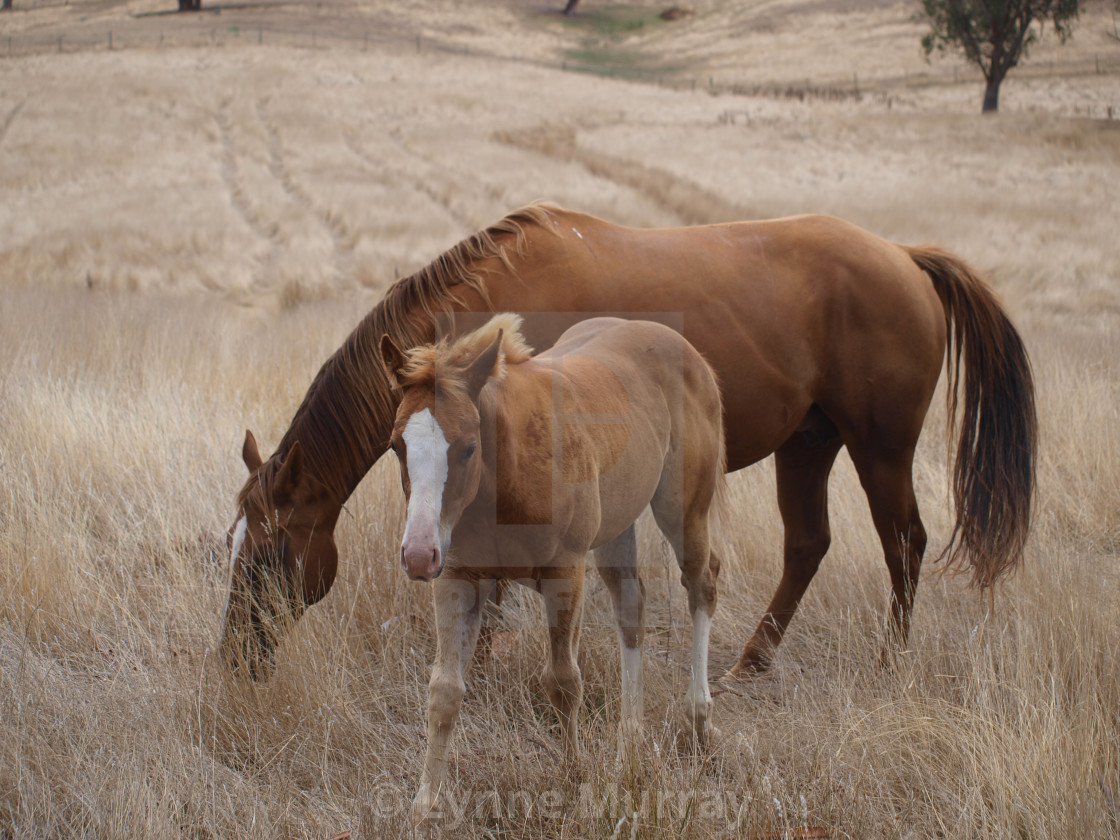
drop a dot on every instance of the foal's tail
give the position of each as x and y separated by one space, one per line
993 475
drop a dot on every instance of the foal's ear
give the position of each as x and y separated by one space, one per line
486 365
250 454
289 474
392 359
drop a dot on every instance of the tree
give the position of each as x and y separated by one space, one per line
570 9
994 34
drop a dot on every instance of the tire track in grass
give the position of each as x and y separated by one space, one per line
418 183
267 230
342 237
230 170
9 119
691 203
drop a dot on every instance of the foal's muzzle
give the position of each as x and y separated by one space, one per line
423 562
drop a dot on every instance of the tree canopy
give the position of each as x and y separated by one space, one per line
994 34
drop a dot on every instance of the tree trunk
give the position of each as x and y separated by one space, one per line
991 95
570 9
7 4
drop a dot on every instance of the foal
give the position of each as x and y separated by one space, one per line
516 466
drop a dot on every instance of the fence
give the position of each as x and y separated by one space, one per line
229 26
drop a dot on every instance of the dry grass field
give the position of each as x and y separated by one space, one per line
189 226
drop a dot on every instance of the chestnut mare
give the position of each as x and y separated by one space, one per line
821 334
516 466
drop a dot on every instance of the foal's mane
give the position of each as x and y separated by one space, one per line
347 412
446 362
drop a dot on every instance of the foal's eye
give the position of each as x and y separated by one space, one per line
469 450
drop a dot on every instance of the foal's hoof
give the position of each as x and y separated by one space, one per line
709 738
424 806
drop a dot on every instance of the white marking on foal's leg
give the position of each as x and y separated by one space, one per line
630 726
699 697
235 550
631 690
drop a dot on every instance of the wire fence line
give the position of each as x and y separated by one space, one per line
217 34
208 28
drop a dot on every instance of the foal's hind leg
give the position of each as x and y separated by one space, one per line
803 466
684 522
887 478
617 562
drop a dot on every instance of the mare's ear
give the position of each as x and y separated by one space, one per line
289 474
392 359
250 454
486 365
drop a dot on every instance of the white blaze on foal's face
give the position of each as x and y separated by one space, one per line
425 460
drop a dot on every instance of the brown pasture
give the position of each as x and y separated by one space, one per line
188 229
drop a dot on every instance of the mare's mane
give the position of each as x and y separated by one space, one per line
350 405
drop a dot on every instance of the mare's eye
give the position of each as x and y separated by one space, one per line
469 450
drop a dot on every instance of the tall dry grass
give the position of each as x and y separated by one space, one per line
119 466
181 248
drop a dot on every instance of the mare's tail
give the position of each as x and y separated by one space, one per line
994 471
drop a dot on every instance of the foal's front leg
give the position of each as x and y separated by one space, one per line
458 612
562 590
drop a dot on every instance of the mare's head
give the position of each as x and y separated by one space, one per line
282 555
436 435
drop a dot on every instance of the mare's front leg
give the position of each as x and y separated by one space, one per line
562 590
458 610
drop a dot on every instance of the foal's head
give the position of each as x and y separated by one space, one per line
436 435
282 555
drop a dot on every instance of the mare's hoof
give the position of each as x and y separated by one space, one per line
745 669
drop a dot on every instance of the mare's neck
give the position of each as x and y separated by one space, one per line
346 418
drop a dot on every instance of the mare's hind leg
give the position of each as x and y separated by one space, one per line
683 519
617 562
458 609
887 478
562 590
803 465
